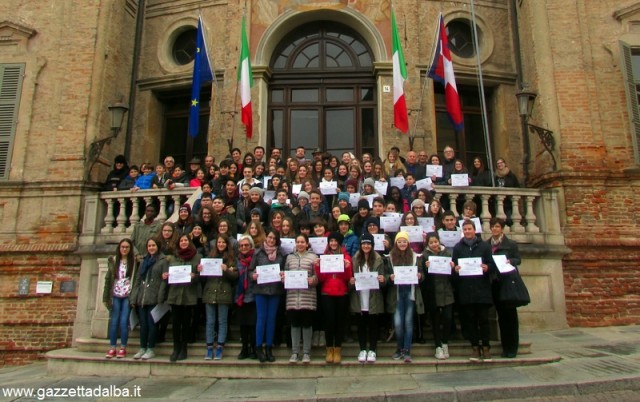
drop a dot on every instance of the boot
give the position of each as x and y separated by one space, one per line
183 352
176 351
252 352
475 354
261 355
486 354
330 352
337 355
244 353
269 352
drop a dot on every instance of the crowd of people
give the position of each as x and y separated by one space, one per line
403 256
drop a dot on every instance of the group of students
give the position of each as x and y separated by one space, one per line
232 221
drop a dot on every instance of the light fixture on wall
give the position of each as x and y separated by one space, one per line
117 111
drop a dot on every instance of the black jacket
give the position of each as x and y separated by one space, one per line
474 289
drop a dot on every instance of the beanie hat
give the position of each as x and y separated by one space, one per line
369 182
402 235
366 238
336 236
351 182
257 190
363 204
120 159
417 203
256 211
344 218
185 206
371 220
303 194
343 196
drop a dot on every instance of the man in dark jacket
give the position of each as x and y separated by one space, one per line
473 281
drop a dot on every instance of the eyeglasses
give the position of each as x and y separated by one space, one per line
244 245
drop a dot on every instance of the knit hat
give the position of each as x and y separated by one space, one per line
351 182
417 203
185 206
303 194
363 204
256 190
120 159
344 218
369 182
366 238
335 235
343 196
256 211
402 235
371 220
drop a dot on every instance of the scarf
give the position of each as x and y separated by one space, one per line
469 242
186 254
147 263
502 172
495 243
243 268
270 251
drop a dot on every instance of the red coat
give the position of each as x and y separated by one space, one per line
335 284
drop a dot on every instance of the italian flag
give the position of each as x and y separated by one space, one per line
400 116
246 82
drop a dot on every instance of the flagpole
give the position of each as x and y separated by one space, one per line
213 70
483 105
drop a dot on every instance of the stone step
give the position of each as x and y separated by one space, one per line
75 362
349 349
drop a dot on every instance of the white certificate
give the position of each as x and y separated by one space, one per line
381 187
449 238
211 267
353 199
159 311
424 183
331 263
269 195
460 180
470 266
439 265
266 180
367 281
318 244
180 274
287 246
434 170
405 275
427 224
502 264
328 187
370 198
397 182
268 273
390 223
378 242
296 188
476 222
134 320
296 280
415 233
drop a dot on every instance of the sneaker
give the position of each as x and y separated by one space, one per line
139 354
149 354
209 354
371 356
439 353
218 355
407 357
445 350
306 358
122 353
293 358
362 356
398 355
111 353
475 354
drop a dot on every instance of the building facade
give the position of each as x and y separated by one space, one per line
322 78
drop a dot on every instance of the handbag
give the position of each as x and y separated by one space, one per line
513 291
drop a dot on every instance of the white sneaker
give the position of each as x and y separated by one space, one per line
149 354
293 358
362 356
306 358
371 356
439 353
445 350
140 353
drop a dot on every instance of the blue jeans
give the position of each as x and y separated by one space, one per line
221 311
148 328
266 310
119 320
403 317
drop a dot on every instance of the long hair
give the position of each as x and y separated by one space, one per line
228 255
168 246
130 258
259 238
369 259
401 258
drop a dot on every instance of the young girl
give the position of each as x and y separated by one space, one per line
117 288
256 231
218 295
199 239
410 219
440 297
367 305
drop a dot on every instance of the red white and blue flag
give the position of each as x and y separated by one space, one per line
442 71
400 115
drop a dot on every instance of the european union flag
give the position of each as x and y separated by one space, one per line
201 75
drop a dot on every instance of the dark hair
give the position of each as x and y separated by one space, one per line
130 259
168 247
430 235
495 220
275 233
228 255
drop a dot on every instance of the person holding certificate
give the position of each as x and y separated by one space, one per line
507 314
218 295
438 293
301 302
267 294
403 300
474 268
367 304
410 219
245 298
182 275
333 295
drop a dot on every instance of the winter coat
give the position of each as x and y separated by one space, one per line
439 288
219 289
376 301
392 292
141 233
351 243
260 258
508 248
335 284
474 289
110 279
184 294
302 299
151 289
